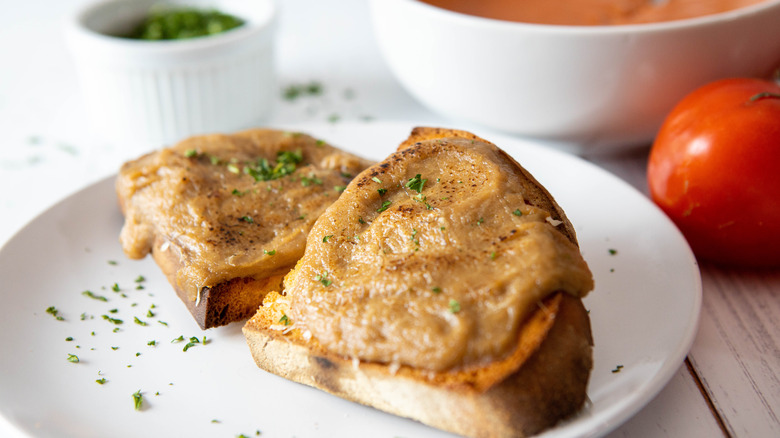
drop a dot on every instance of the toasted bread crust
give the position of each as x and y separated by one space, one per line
549 387
234 300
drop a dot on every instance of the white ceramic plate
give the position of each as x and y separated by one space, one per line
644 312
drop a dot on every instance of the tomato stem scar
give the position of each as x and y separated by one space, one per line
764 95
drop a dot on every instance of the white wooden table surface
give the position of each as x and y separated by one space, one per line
728 386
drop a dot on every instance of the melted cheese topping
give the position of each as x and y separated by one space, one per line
200 198
435 275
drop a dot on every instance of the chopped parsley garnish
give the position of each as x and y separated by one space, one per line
617 369
152 343
286 162
271 252
112 320
454 306
163 323
612 251
51 310
232 168
436 290
284 320
247 219
416 183
90 294
326 238
361 221
115 287
306 181
138 321
190 153
493 255
424 199
314 88
480 221
179 339
295 91
113 262
385 206
149 314
375 179
69 338
101 381
517 212
72 358
339 188
381 191
323 278
138 400
176 23
193 342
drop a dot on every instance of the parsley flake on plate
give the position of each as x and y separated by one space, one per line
51 310
90 294
138 400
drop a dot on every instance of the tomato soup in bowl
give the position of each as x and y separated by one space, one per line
590 12
584 88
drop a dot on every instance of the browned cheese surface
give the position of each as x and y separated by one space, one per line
202 199
436 276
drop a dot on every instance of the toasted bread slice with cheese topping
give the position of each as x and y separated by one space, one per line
227 216
444 285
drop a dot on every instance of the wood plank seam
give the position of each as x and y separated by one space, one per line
706 396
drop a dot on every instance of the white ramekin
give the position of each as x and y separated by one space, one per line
159 92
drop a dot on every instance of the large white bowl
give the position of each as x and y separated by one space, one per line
586 89
157 92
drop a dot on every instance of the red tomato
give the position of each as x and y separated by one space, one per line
714 168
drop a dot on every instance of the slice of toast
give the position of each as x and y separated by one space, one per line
445 286
226 216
